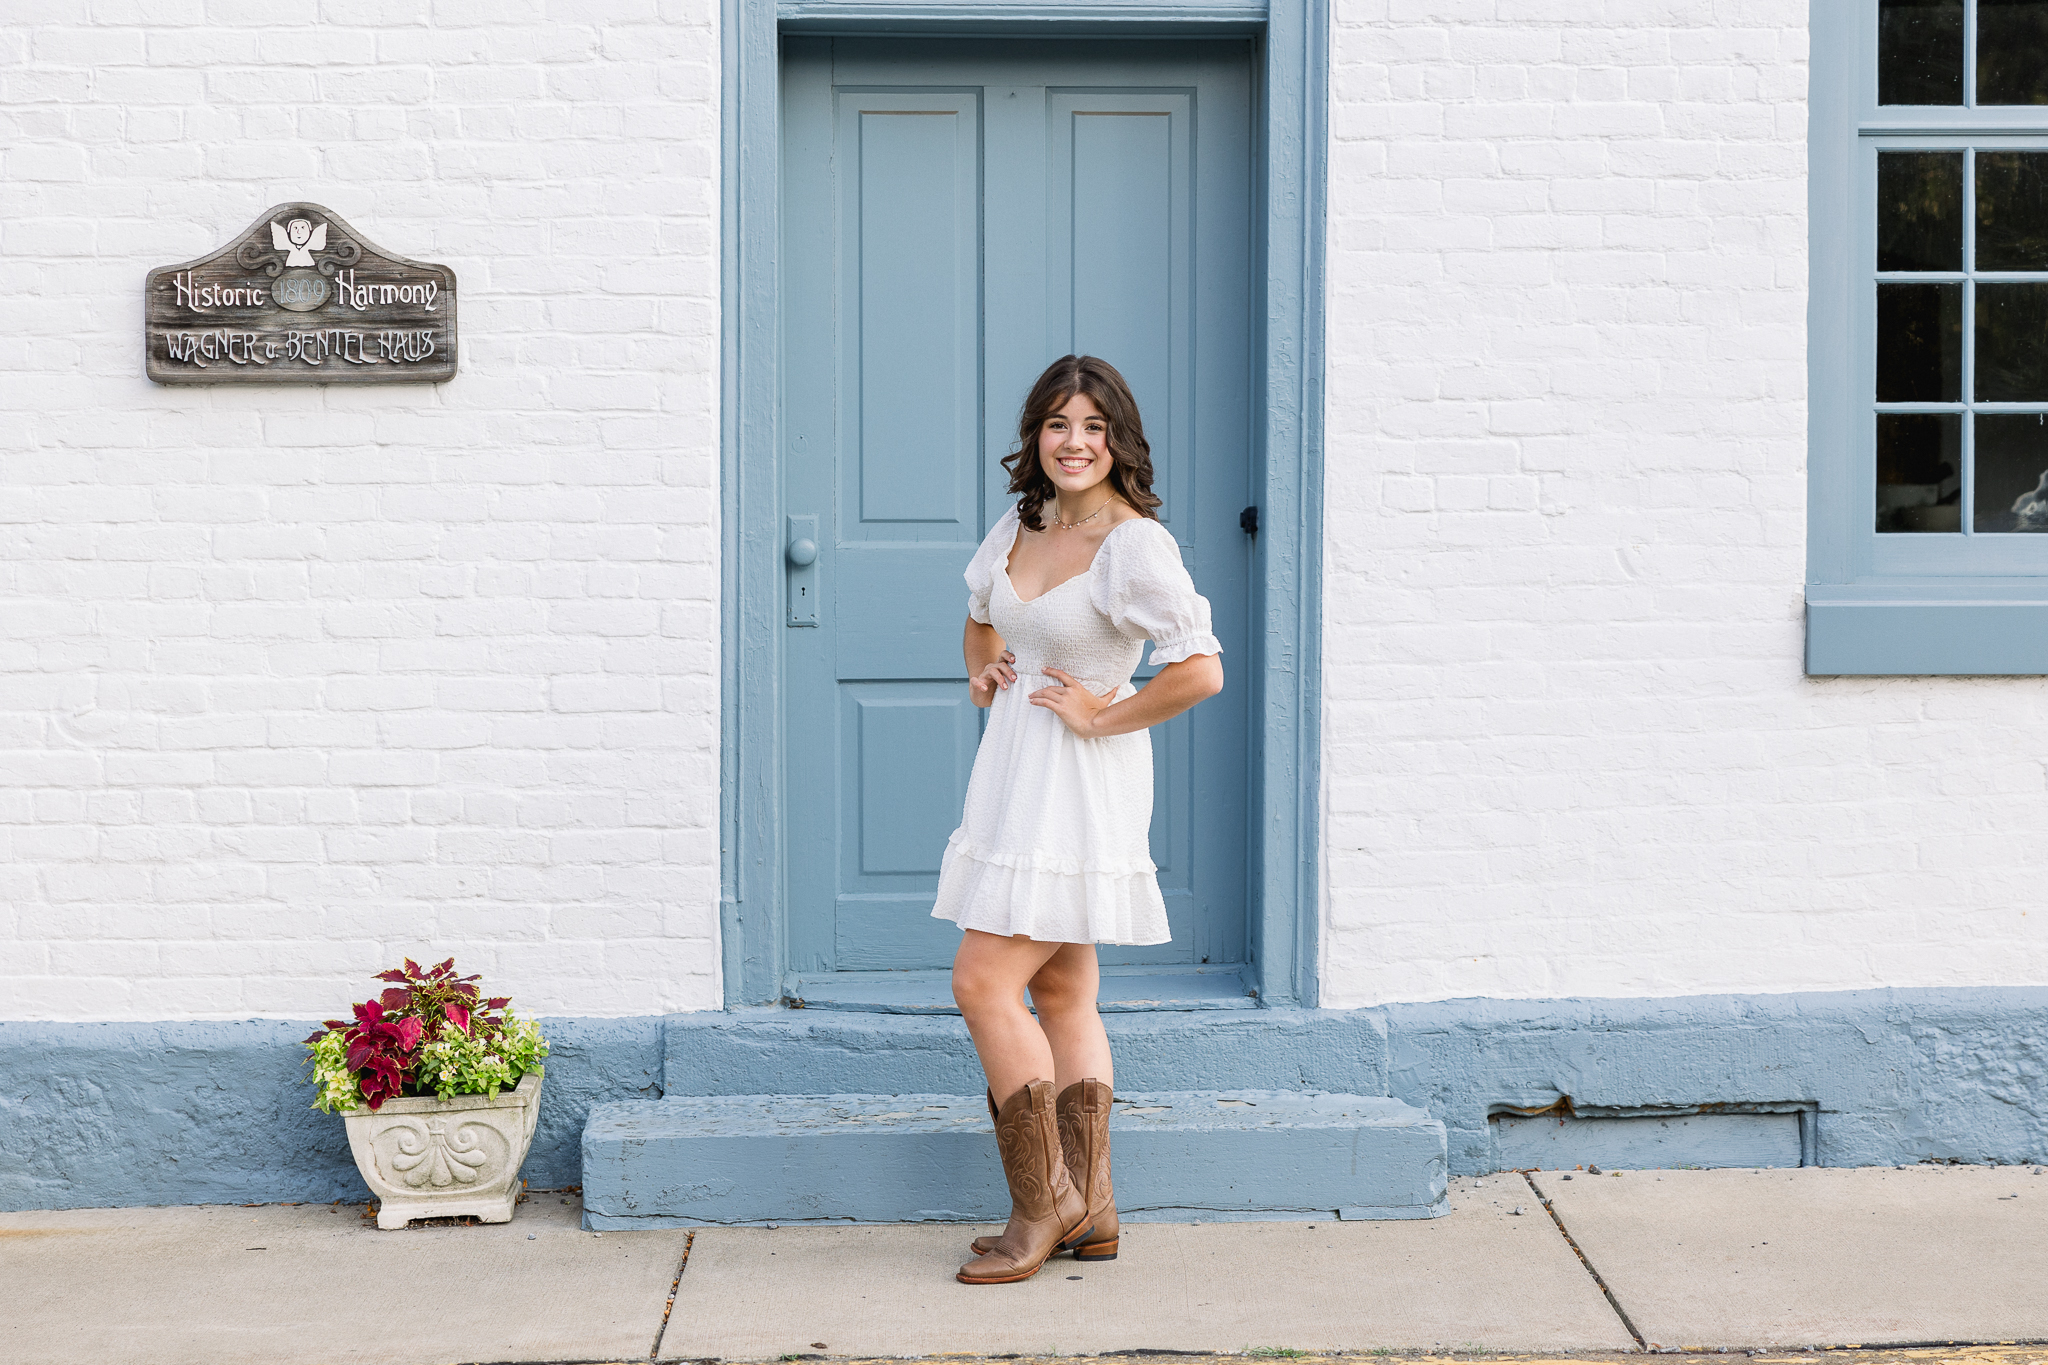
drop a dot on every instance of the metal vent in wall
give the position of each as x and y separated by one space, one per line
1562 1136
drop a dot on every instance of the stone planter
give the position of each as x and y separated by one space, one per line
428 1158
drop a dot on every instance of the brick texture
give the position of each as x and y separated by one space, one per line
294 681
1570 749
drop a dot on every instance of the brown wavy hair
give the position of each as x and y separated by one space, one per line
1130 468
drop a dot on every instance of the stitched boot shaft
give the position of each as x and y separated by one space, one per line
1083 1112
1084 1142
1046 1211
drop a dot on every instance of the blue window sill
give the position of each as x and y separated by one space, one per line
1915 631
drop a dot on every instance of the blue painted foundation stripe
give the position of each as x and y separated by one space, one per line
98 1114
117 1115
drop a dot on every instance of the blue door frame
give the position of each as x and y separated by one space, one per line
1288 388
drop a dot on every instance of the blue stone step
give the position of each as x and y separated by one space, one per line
772 1051
1200 1156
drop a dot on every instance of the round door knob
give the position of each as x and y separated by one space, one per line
803 553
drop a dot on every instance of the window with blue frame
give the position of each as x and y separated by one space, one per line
1928 345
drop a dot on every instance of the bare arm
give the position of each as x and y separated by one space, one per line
1176 688
988 663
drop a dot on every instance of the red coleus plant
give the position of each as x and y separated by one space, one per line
385 1039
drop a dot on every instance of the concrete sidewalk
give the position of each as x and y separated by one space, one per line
1818 1257
1683 1259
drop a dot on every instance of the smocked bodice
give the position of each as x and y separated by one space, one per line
1095 624
1063 629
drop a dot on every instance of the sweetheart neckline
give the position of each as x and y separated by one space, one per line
1024 601
1003 565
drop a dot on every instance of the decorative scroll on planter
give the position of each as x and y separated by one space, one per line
429 1158
300 298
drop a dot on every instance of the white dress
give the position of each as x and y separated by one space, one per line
1052 844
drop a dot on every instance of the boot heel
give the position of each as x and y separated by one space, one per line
1079 1236
1097 1251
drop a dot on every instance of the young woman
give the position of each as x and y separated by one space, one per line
1051 857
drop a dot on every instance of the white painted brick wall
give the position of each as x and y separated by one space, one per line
294 681
1570 748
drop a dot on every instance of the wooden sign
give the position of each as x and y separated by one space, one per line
300 298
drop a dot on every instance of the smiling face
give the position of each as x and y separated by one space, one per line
1073 446
1079 427
300 230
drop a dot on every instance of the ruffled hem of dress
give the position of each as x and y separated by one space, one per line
959 847
1175 651
1050 907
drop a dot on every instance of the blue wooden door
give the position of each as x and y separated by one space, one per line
956 215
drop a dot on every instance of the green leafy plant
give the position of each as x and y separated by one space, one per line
429 1033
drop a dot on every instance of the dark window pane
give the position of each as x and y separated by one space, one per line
1919 464
1919 343
1920 210
2012 211
2012 472
2012 343
1920 52
2012 52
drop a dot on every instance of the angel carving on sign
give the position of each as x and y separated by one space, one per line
298 239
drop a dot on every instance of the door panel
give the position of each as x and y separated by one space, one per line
909 748
1121 181
903 729
958 213
908 216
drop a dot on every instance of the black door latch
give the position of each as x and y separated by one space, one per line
1248 519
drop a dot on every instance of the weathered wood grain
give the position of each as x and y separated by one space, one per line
300 298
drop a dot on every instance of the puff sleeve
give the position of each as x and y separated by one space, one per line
981 570
1144 589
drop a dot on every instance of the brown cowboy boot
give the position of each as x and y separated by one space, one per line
1084 1139
1084 1144
1046 1211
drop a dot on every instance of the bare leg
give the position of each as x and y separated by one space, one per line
989 976
1064 992
1075 1046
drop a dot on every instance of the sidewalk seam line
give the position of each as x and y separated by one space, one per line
674 1286
1580 1252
